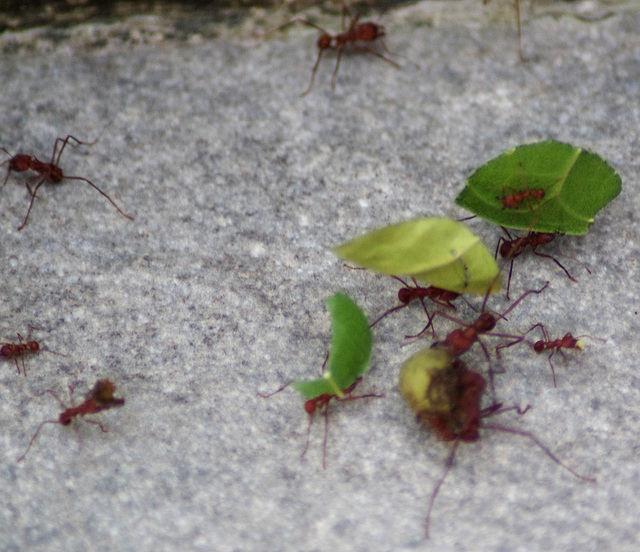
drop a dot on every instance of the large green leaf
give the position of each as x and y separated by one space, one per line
576 185
351 343
440 251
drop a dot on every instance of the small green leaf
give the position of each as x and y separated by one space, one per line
351 344
416 377
576 185
440 251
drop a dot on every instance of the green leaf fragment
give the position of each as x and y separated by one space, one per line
576 184
351 343
417 375
439 251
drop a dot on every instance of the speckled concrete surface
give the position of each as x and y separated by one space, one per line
216 291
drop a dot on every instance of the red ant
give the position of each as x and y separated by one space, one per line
553 345
48 172
321 403
516 199
98 399
407 294
22 349
367 31
513 247
462 389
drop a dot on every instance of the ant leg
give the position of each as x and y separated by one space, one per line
54 395
55 160
9 171
306 446
447 467
368 396
335 72
304 22
326 358
545 335
33 197
488 357
546 450
492 410
70 395
278 391
557 262
528 292
345 11
95 422
500 240
429 323
35 435
377 54
17 367
553 372
507 345
509 279
326 436
99 190
522 58
313 75
388 312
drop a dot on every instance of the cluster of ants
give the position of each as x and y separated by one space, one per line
447 395
101 397
443 391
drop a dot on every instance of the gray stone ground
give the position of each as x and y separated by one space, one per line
216 291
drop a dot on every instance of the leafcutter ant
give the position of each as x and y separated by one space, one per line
513 247
321 404
48 172
25 347
568 341
365 31
517 198
98 399
409 293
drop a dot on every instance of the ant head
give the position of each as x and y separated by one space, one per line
506 248
33 346
405 295
538 346
65 418
486 322
324 41
310 406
